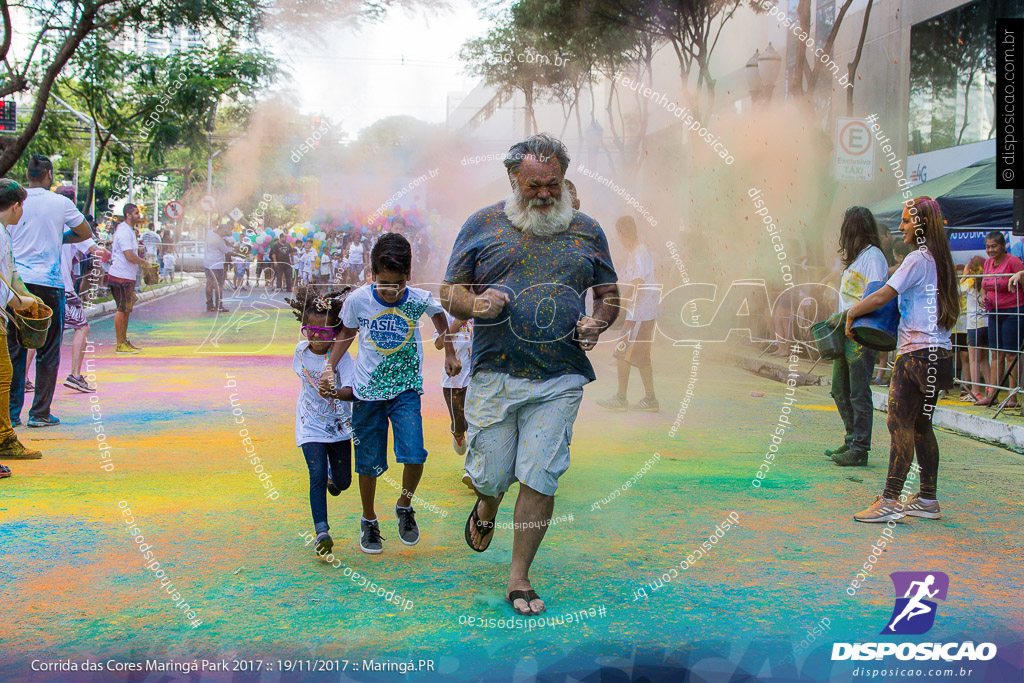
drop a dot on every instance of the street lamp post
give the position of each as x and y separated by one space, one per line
763 70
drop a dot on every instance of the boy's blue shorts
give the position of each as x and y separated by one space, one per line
370 427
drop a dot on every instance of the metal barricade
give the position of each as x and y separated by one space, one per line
1003 365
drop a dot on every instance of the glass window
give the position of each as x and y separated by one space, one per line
952 75
824 19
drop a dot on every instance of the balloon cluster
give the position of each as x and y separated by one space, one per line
335 224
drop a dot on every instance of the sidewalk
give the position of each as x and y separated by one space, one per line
972 421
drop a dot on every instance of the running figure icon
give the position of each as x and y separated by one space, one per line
915 607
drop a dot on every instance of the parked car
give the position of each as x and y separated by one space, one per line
189 256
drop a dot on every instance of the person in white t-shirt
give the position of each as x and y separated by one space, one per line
49 220
168 266
74 310
863 263
124 266
929 303
323 424
355 260
217 249
325 267
634 346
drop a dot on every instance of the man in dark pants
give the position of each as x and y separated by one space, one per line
282 266
213 265
49 220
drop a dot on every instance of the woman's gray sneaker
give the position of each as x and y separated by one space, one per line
915 507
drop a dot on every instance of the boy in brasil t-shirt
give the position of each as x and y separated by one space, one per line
388 380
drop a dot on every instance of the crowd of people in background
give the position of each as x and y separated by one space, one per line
283 263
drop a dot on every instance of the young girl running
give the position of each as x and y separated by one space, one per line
454 388
929 303
323 425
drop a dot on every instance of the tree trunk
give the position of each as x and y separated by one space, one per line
796 80
851 68
16 147
101 146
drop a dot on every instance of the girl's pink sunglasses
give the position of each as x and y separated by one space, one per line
321 333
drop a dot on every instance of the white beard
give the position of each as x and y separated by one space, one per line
529 220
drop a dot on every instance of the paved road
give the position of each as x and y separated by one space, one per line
174 419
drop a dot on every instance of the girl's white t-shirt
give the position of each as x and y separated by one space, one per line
869 266
463 343
916 281
319 419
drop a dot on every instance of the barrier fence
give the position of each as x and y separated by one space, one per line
987 362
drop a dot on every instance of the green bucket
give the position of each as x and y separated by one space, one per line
830 340
32 331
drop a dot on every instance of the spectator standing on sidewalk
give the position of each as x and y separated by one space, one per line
124 267
48 221
1005 306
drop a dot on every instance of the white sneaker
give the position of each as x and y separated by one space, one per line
459 445
915 507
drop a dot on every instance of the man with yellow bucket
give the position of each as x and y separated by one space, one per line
14 294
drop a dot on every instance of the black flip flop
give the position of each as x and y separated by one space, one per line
485 528
529 596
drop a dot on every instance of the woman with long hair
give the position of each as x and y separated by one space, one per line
863 262
929 303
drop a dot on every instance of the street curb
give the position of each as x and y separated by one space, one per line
149 295
974 426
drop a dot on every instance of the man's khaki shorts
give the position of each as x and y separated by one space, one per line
520 429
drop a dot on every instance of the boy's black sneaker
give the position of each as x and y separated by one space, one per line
370 540
332 488
408 530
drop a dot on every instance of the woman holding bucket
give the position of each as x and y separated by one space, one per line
11 197
929 304
863 262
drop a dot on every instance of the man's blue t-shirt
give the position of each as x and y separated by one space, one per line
546 279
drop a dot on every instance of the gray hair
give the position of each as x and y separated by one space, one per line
542 146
